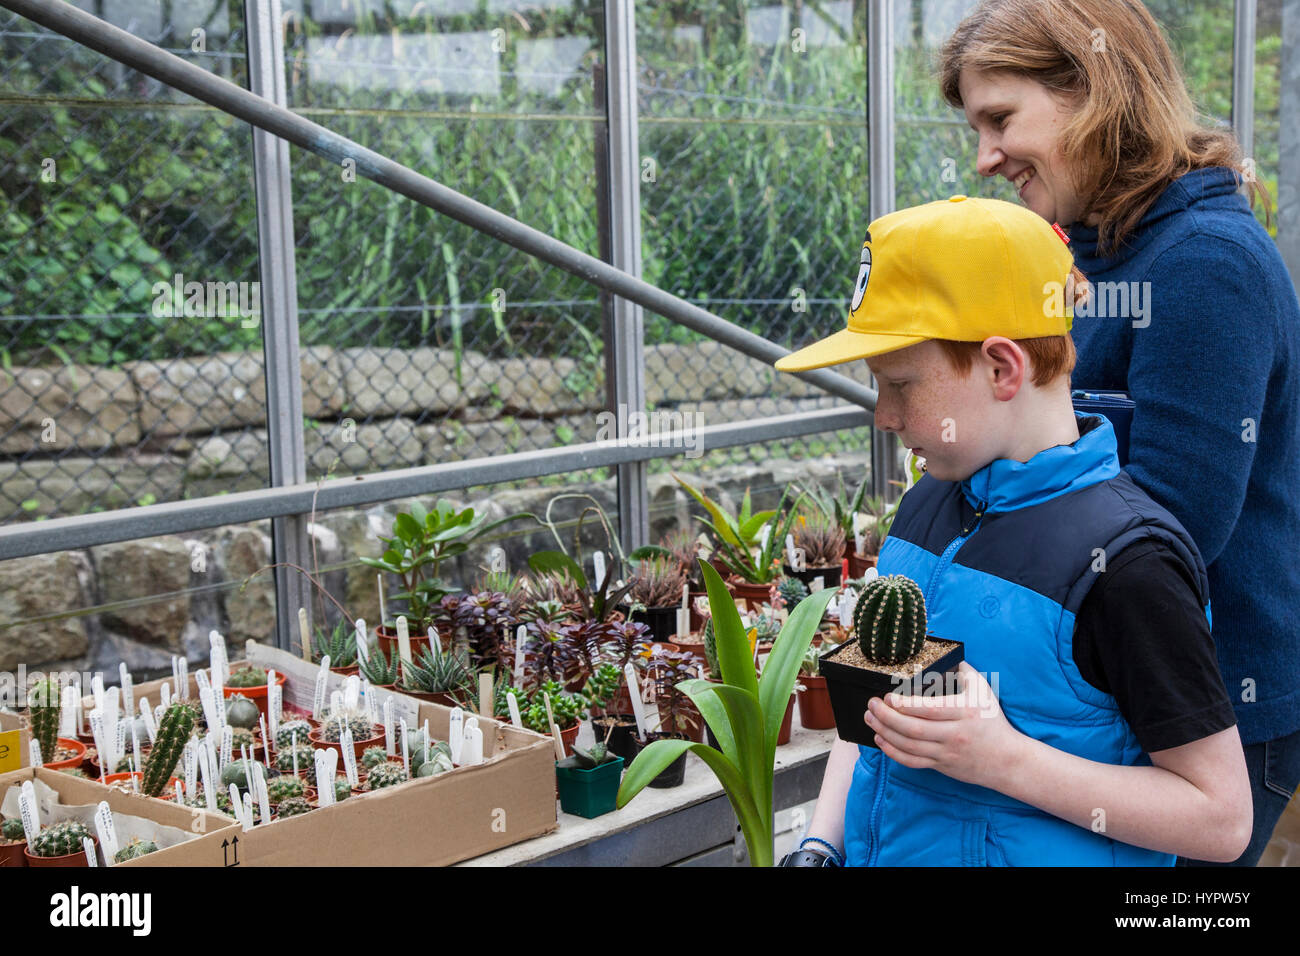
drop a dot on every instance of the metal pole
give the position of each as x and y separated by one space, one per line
273 184
1288 169
1243 76
880 167
625 347
229 98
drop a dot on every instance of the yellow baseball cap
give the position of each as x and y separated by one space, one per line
959 268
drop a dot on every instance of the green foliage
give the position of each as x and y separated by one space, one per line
440 672
134 850
568 709
381 669
711 649
373 757
602 685
291 730
60 839
593 757
340 644
174 732
838 505
744 713
281 788
43 705
385 775
242 712
247 676
303 753
12 830
739 537
293 807
889 619
791 591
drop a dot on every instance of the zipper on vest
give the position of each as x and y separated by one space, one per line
945 559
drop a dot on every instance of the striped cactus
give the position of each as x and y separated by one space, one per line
890 619
173 732
43 711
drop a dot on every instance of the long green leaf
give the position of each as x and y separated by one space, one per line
729 634
782 666
555 562
724 524
714 713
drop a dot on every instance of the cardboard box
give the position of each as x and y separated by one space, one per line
15 750
207 838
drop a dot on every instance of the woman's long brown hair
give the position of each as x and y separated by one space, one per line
1135 129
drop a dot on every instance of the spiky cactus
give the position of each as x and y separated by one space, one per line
285 786
173 733
340 645
242 737
284 737
12 830
247 676
59 839
43 709
305 754
385 775
890 619
294 806
136 848
331 728
373 757
342 789
792 591
381 669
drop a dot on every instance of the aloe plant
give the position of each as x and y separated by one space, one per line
744 713
741 546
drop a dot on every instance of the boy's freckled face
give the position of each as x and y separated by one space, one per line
935 412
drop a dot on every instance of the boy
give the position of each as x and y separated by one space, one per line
1111 739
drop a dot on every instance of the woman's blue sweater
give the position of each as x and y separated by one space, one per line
1197 319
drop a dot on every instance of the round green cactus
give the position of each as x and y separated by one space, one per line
331 728
135 849
438 762
247 677
342 789
235 772
889 619
373 757
306 759
281 788
292 807
385 775
13 831
59 839
284 737
242 712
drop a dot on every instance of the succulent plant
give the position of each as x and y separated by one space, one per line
767 628
385 775
75 772
340 645
247 676
568 709
289 730
439 762
685 549
658 582
242 737
305 754
381 669
820 537
711 650
342 789
43 703
331 728
889 619
12 830
241 712
373 756
135 849
173 733
235 772
594 756
602 685
294 806
791 591
59 839
281 788
447 672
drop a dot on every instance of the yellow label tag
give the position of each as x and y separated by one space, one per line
10 754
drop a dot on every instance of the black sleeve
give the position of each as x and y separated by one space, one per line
1142 637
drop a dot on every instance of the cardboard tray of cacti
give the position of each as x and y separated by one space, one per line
890 652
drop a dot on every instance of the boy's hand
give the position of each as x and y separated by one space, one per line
964 735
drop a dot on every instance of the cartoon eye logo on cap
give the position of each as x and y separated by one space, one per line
864 272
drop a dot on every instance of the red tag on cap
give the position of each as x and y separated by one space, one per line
1061 232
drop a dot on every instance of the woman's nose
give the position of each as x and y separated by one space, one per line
990 156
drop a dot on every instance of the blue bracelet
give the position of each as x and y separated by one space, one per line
836 855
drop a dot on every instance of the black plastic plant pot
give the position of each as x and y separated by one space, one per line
675 773
622 740
662 622
851 687
830 576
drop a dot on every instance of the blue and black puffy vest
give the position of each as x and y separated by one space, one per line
1005 559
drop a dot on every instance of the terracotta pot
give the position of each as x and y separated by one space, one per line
71 762
256 694
77 859
347 671
387 640
169 789
358 746
784 736
693 647
697 619
11 854
437 698
815 711
568 736
754 595
858 564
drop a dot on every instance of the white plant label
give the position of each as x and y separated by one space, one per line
848 601
513 703
363 649
34 755
485 695
318 694
150 726
180 794
435 645
368 694
275 707
183 679
456 733
136 754
97 688
426 740
208 770
497 560
67 711
871 575
336 701
348 746
106 831
790 551
800 560
119 743
227 743
389 745
406 749
27 810
634 691
472 752
764 535
403 639
101 738
817 584
266 740
304 634
88 848
521 637
128 689
686 597
191 768
598 564
683 622
209 708
323 778
263 795
176 679
219 661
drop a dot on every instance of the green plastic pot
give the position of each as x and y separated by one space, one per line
589 793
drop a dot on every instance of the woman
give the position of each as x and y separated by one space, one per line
1080 104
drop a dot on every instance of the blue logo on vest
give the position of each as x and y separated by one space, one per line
990 606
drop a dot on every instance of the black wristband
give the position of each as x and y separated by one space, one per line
807 858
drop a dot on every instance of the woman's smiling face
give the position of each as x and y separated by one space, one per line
1019 122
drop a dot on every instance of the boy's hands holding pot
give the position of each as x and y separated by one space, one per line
964 735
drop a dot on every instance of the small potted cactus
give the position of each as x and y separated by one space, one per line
249 681
135 849
815 711
242 712
364 733
656 594
387 774
382 670
822 542
291 732
285 787
301 756
891 652
13 840
59 845
293 807
588 781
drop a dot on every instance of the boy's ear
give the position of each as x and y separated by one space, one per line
1006 364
